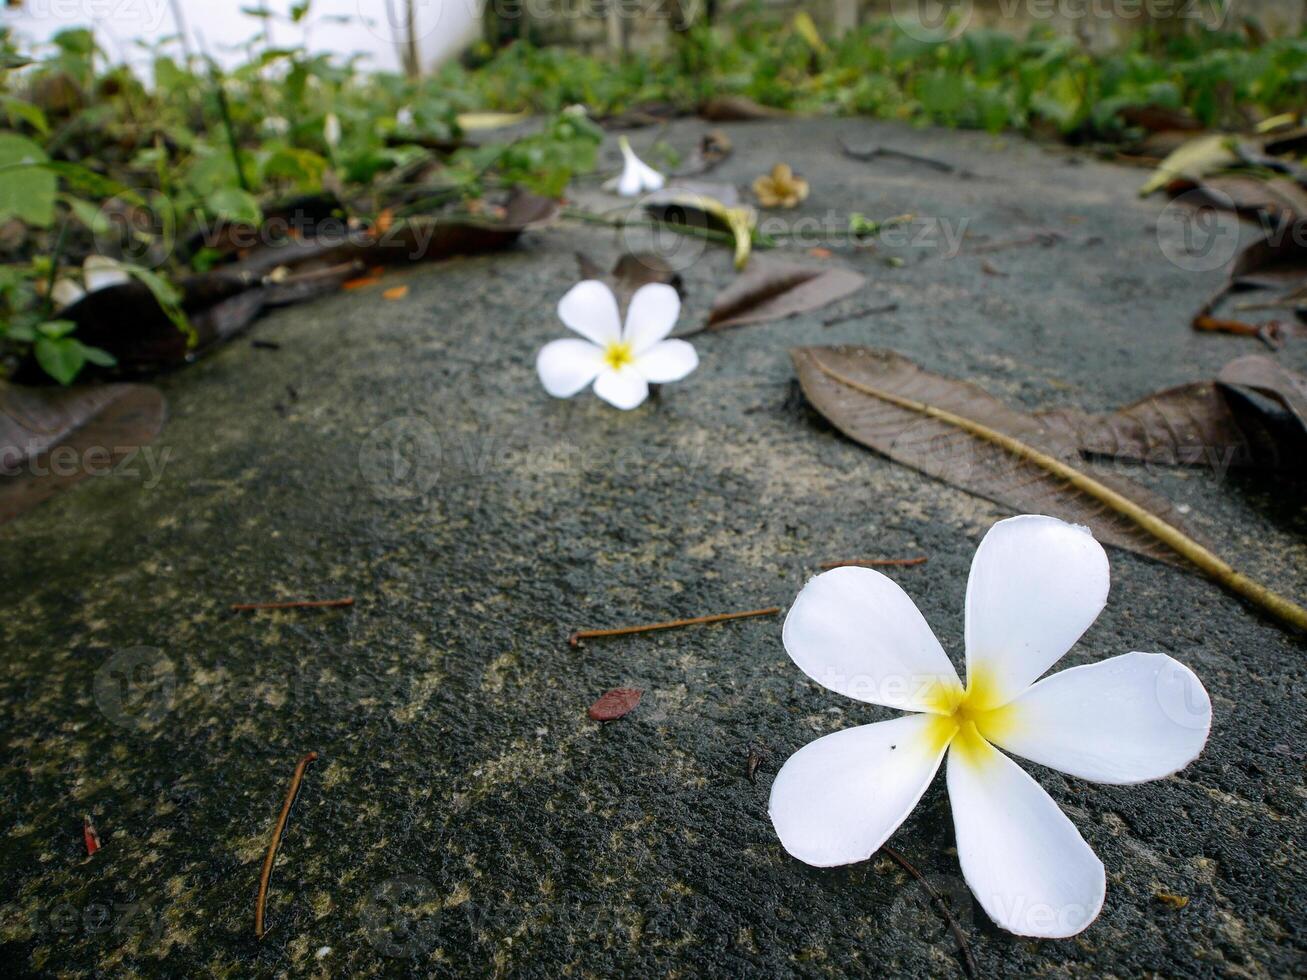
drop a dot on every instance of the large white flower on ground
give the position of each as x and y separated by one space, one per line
622 363
1036 585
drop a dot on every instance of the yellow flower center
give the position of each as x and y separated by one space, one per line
618 355
967 718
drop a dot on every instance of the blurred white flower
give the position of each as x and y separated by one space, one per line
66 293
1036 584
637 176
331 130
276 126
100 272
621 362
404 117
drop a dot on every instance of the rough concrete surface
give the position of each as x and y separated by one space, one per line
465 817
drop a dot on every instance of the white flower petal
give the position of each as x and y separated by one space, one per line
651 316
101 272
567 366
839 798
590 308
1036 584
636 176
856 632
1023 859
670 360
622 388
1129 719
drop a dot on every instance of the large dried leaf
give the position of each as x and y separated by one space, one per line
944 451
1195 424
631 271
1272 379
86 430
1279 199
773 290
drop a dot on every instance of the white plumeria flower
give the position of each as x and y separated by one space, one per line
621 363
637 176
101 272
331 130
1036 585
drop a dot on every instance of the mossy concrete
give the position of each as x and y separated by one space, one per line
465 817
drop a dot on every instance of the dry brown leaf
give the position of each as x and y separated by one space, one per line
772 290
615 704
946 452
737 108
395 292
89 430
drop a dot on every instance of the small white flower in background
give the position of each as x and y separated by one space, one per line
1036 585
66 293
637 176
622 363
331 130
100 272
276 125
404 117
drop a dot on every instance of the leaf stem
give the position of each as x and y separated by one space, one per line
1175 539
271 857
304 604
874 562
576 638
959 937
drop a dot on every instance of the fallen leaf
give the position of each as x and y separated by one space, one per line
127 321
945 451
615 704
1271 379
90 835
714 147
395 292
1193 161
1280 199
737 108
1157 118
1174 901
631 271
820 253
1202 423
92 429
678 206
773 290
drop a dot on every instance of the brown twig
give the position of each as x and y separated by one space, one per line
298 604
959 937
873 562
830 321
275 843
576 638
1045 238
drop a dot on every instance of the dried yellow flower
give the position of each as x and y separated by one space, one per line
780 189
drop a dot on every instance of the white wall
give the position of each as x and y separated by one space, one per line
344 27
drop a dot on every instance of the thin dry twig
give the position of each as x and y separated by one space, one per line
1175 539
830 321
277 831
959 937
576 637
298 604
873 562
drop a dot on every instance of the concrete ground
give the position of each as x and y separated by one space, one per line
465 817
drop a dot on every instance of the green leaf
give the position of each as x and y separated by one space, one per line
88 214
26 189
168 297
95 355
17 109
62 359
54 329
236 205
